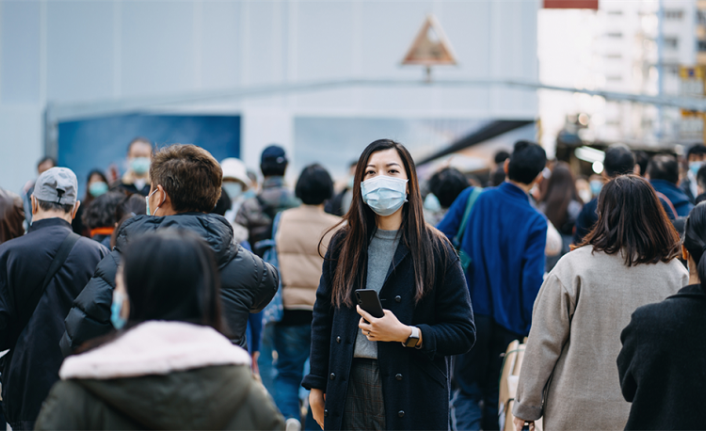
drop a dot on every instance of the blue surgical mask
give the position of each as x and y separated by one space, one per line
233 189
116 309
140 165
431 203
596 187
383 194
98 188
694 167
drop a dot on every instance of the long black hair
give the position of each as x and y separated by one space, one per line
695 239
172 275
359 224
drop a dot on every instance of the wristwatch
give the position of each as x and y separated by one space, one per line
413 339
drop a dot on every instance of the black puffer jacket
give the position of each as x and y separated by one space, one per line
247 283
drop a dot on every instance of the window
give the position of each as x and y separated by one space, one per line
701 17
701 45
673 14
614 56
614 78
615 12
616 35
671 42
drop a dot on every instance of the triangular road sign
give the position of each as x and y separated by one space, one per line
430 47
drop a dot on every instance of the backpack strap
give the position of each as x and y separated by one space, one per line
59 259
458 239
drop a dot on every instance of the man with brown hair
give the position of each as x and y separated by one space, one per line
186 184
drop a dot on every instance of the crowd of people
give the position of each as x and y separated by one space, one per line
187 294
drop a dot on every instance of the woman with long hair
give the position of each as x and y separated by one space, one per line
384 245
169 366
96 185
12 216
662 363
568 374
562 206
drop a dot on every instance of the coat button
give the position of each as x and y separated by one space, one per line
325 413
332 376
338 340
398 376
400 413
398 298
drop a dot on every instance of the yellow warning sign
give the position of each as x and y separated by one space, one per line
430 47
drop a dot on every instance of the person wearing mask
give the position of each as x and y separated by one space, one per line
236 184
168 366
186 184
505 239
663 175
695 158
583 189
341 202
99 217
43 165
257 213
568 375
300 233
660 367
96 185
12 216
618 160
562 205
384 244
41 273
137 177
444 186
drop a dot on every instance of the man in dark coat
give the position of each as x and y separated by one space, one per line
32 334
186 184
663 174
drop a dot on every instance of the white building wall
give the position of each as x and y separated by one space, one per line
58 52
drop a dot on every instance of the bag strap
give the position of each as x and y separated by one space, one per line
59 259
466 215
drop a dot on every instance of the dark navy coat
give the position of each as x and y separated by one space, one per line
415 383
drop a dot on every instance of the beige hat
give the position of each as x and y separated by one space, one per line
235 169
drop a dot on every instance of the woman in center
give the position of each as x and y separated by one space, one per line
390 372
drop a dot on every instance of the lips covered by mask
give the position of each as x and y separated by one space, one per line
140 165
384 194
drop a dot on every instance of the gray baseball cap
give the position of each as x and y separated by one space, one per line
57 185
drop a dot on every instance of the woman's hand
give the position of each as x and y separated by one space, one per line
520 423
317 401
386 328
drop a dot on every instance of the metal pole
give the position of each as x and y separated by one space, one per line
660 67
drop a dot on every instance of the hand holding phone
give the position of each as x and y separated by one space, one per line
369 301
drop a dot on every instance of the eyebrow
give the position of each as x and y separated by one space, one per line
388 165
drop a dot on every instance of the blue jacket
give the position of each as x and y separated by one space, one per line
676 196
505 238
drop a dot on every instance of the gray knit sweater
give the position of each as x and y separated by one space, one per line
380 253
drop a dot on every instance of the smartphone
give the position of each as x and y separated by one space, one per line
369 301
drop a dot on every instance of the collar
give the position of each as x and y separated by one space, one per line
102 231
690 291
273 182
513 190
129 178
663 183
47 222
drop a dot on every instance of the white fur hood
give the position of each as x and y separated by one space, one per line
155 347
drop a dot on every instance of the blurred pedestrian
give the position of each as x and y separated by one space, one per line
12 216
236 184
642 159
562 206
663 174
258 213
42 274
186 183
299 236
505 239
44 164
168 366
131 206
99 217
628 260
695 158
385 245
618 160
137 178
583 189
661 367
444 186
96 185
341 202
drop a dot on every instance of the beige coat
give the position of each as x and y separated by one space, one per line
579 313
297 239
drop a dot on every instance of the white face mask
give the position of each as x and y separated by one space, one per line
233 189
383 194
585 195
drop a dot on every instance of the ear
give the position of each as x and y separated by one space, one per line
75 210
539 178
636 170
506 166
164 197
684 253
34 204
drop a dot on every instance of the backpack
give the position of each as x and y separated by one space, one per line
458 239
274 311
